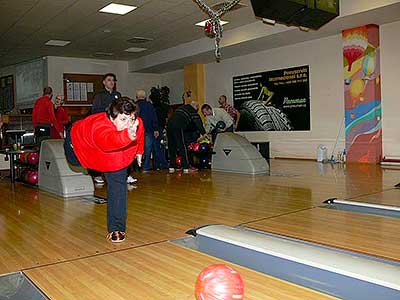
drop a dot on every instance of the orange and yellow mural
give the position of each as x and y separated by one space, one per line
362 89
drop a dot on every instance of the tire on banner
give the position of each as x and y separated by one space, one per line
261 117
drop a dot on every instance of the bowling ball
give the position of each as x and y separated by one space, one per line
220 125
219 282
203 147
204 161
33 177
178 161
33 158
190 147
196 147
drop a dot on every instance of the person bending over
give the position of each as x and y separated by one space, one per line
214 117
184 119
108 142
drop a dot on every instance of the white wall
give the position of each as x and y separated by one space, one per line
127 83
390 67
326 90
175 82
57 66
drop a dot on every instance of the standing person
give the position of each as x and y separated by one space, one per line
161 109
214 116
148 114
44 118
109 142
233 112
185 118
101 101
61 116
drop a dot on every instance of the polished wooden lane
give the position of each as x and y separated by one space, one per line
369 234
37 228
156 272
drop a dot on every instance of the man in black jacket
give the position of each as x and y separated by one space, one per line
185 118
103 99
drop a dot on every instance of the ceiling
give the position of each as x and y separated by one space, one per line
26 25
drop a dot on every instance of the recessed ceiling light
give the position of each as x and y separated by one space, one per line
103 54
119 9
135 49
139 40
106 30
57 43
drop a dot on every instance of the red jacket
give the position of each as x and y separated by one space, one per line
62 119
100 146
43 113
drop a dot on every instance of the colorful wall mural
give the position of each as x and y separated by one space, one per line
362 89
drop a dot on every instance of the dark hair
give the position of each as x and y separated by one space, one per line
223 96
47 91
109 75
206 106
123 105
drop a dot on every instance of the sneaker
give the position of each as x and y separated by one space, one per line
99 180
191 170
171 170
131 180
116 236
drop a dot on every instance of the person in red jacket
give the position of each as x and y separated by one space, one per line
61 116
44 118
108 142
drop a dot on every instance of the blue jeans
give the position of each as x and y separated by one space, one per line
160 161
116 200
148 149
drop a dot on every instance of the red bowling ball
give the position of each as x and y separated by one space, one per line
33 177
196 147
178 161
219 282
33 158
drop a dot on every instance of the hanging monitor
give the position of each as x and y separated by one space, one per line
305 13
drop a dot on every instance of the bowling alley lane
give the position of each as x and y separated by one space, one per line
158 272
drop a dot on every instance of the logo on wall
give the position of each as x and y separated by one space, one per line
276 100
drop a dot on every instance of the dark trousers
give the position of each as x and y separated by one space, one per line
42 132
176 144
159 152
148 150
116 200
116 189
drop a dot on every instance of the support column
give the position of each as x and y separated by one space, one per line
362 93
194 83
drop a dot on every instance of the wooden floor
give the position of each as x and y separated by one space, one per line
51 239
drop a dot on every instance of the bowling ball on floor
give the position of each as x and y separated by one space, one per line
220 125
33 177
219 282
204 161
204 147
33 158
190 147
178 161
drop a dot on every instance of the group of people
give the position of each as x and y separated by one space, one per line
185 126
118 131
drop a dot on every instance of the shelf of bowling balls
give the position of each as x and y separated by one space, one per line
199 155
27 168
